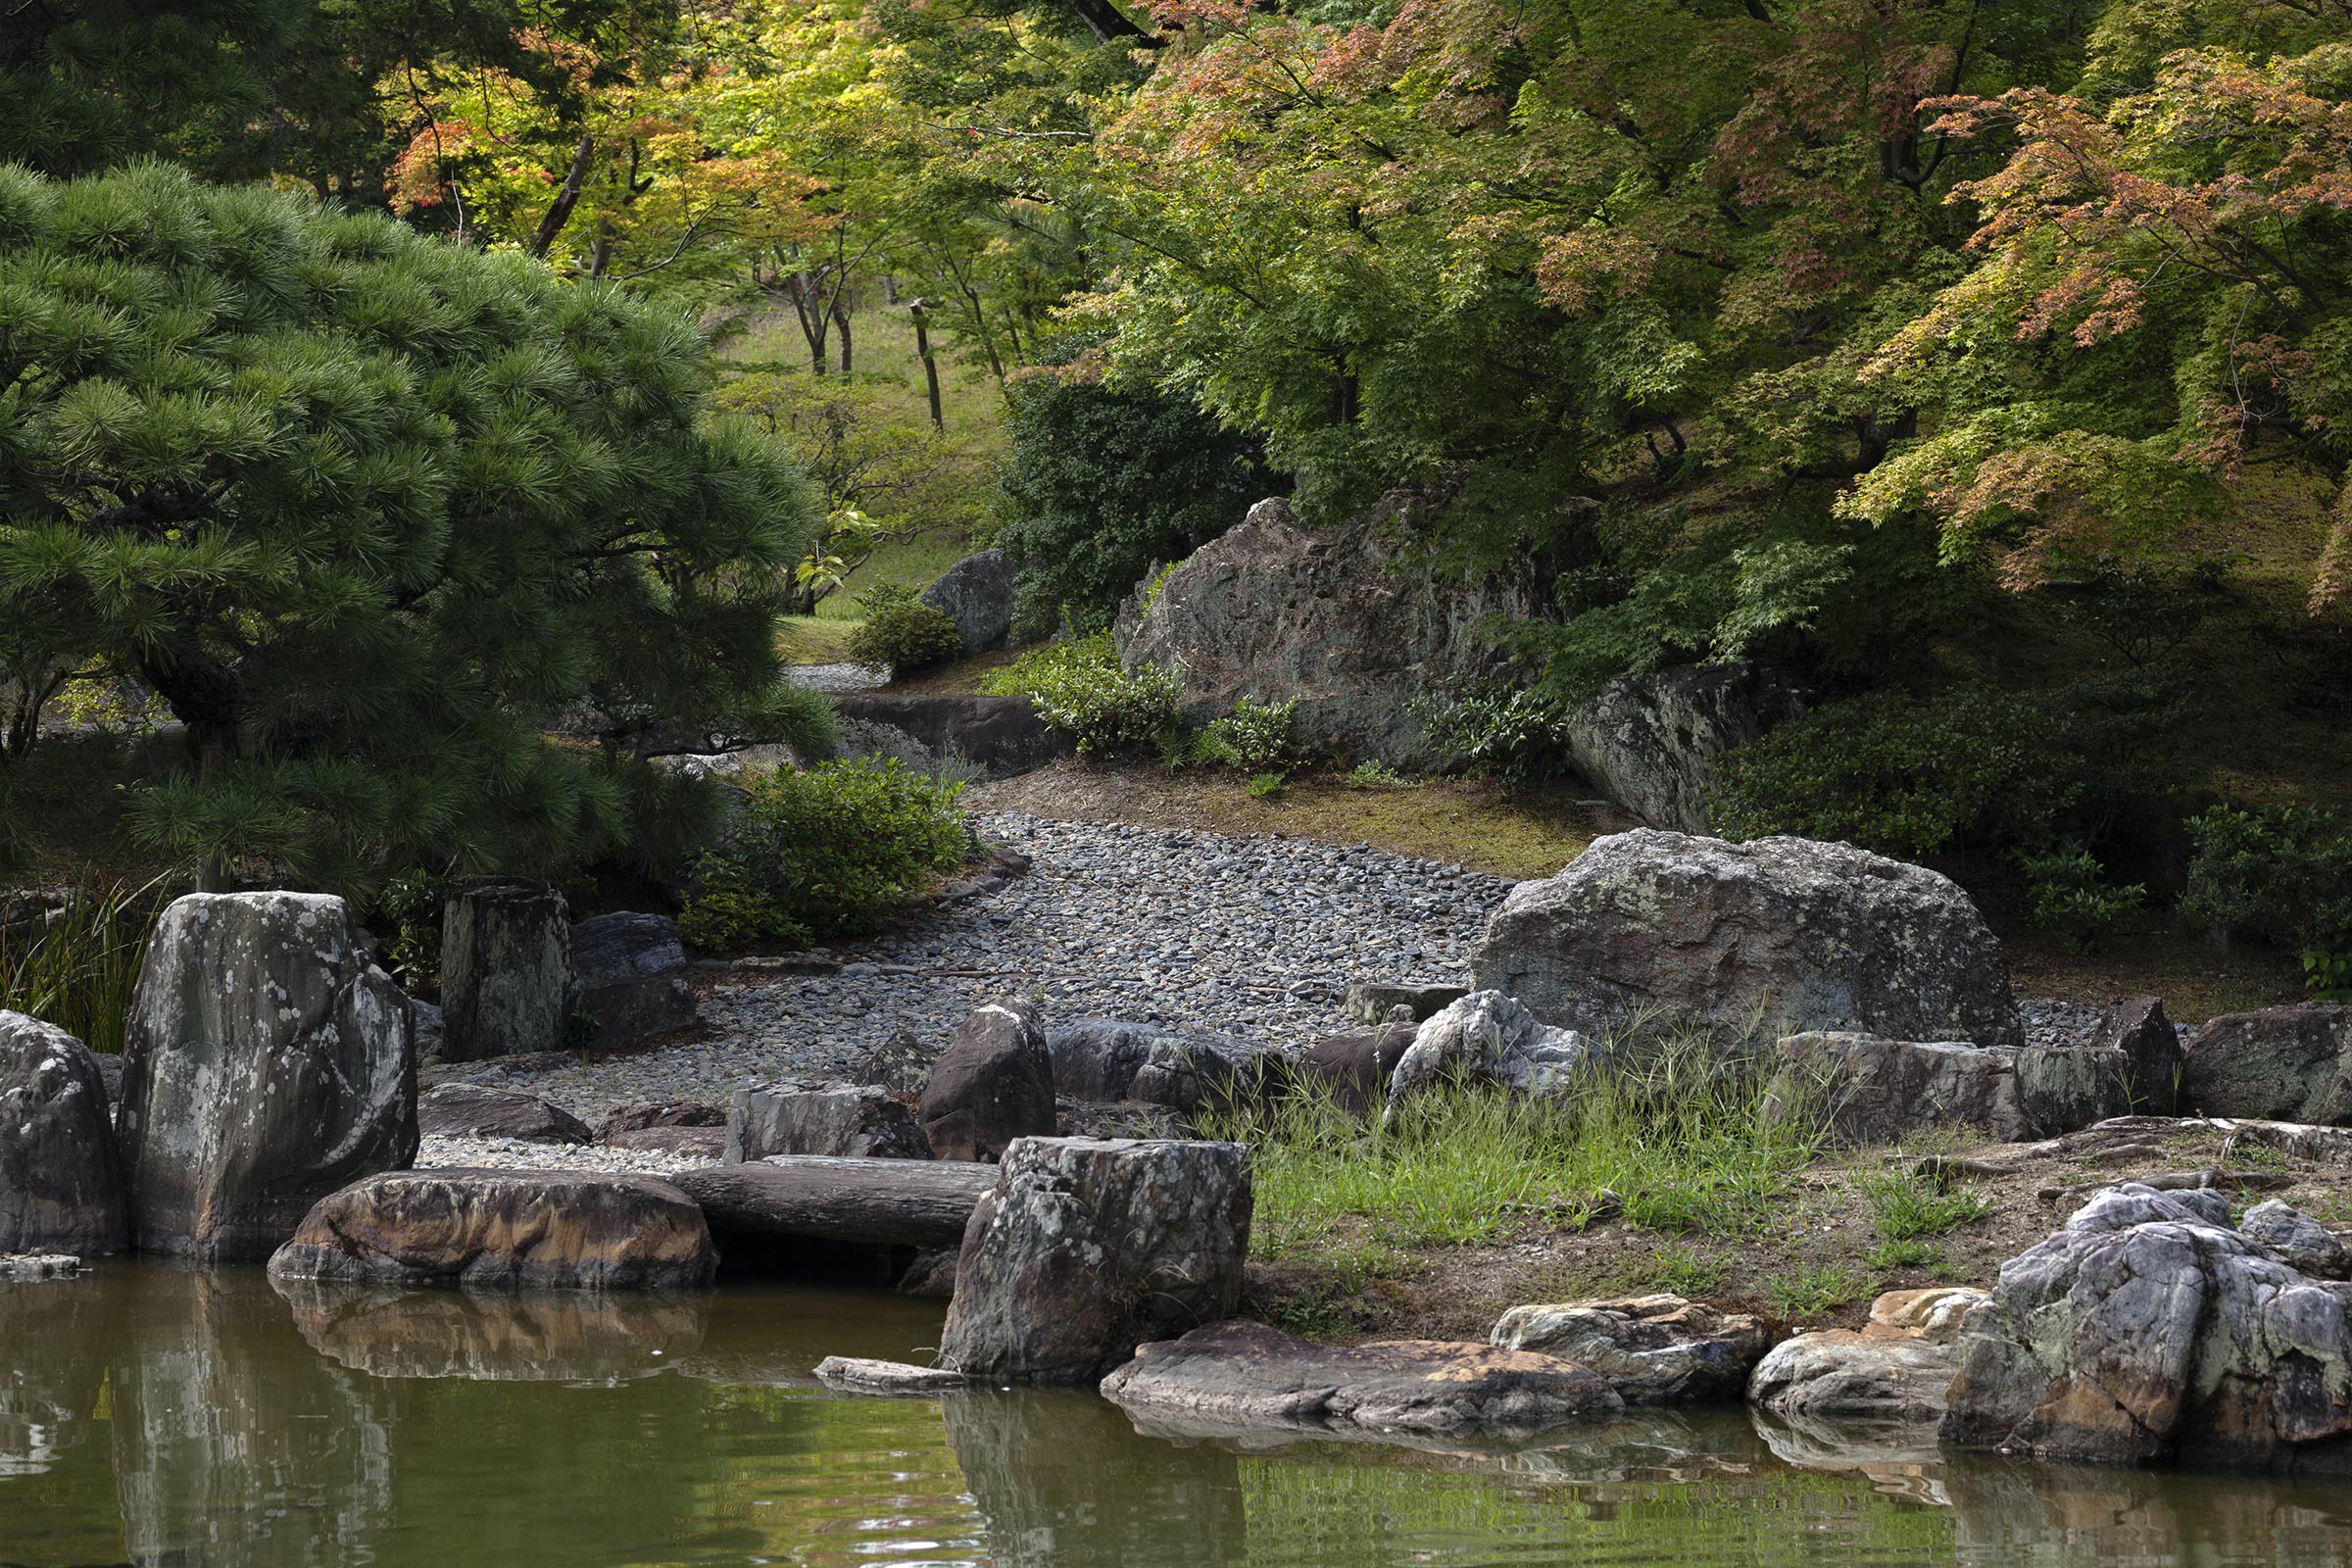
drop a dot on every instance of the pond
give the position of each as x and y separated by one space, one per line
155 1415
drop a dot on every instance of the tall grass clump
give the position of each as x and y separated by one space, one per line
1676 1128
75 967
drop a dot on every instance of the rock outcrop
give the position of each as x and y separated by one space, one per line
265 1064
993 1085
629 976
505 968
1487 1037
1002 734
478 1110
1872 1089
1188 1071
1653 1349
976 594
2149 1329
1241 1377
854 1120
61 1182
1338 618
1770 938
496 1230
1897 1367
1086 1247
2278 1065
1652 743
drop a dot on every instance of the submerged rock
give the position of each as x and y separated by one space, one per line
267 1064
487 1337
1653 1349
994 1084
1774 937
61 1181
503 1231
859 1375
1899 1367
33 1268
1240 1376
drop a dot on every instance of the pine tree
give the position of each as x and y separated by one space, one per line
373 513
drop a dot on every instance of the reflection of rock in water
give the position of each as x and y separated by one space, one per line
1899 1458
2015 1511
537 1337
51 1372
1060 1480
233 1443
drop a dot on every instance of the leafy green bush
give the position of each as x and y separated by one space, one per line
1904 775
830 851
2283 874
901 633
1081 692
2072 895
1515 734
1372 775
1255 737
1267 786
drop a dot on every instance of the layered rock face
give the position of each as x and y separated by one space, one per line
1652 743
503 1231
478 1110
2150 1328
2277 1064
1274 609
993 1085
267 1063
856 1120
61 1184
1086 1247
1764 939
505 968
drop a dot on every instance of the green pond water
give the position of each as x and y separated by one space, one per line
155 1415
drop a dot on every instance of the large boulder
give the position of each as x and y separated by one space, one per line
1335 618
993 1085
1653 1349
854 1120
629 976
1242 1377
1897 1367
1487 1037
976 594
1086 1247
2149 1329
479 1111
61 1182
1869 1089
1774 937
1002 734
1652 743
2278 1065
505 968
265 1064
1188 1071
503 1230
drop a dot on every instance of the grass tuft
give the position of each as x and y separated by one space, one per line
76 968
1908 1207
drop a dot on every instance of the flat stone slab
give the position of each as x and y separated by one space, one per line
31 1268
1240 1376
854 1374
886 1203
503 1230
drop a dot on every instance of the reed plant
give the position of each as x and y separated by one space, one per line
74 967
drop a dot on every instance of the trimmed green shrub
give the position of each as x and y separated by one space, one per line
1501 732
1255 737
2283 874
2072 895
903 633
830 851
1906 775
1081 692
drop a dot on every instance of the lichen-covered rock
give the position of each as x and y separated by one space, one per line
505 968
1244 1376
1189 1071
1487 1037
503 1230
479 1111
1086 1247
1653 1349
993 1084
629 976
61 1182
1897 1367
847 1119
976 594
1331 617
1774 937
2278 1065
266 1064
2064 1089
2297 1239
1652 743
1869 1089
2149 1329
856 1374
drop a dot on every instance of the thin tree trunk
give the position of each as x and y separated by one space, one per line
559 213
841 319
923 349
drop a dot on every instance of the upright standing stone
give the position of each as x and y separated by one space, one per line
994 1084
267 1063
976 594
630 971
1087 1248
505 968
61 1186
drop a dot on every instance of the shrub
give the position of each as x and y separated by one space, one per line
1514 734
1902 774
1266 786
1371 775
1081 692
1255 737
2283 874
901 632
830 851
2072 895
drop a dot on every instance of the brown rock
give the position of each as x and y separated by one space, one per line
994 1084
478 1110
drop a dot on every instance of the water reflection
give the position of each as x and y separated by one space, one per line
155 1415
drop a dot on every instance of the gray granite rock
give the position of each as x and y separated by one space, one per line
976 594
814 1118
61 1181
2278 1065
505 968
1654 743
629 976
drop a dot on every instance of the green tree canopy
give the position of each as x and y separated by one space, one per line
374 512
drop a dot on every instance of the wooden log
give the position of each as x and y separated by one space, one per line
886 1203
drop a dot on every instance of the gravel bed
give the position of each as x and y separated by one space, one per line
836 678
2070 1023
437 1153
1254 936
